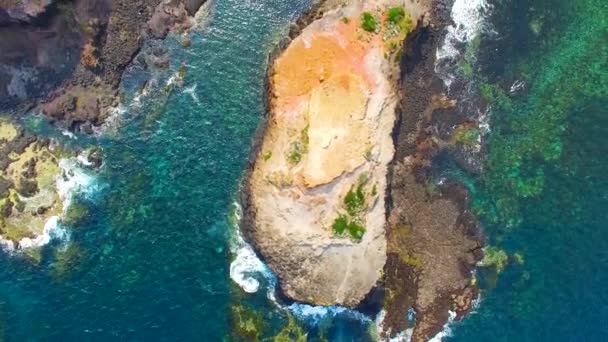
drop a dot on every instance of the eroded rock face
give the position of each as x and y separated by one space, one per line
318 185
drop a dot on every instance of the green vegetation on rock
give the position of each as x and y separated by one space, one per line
467 136
369 22
351 221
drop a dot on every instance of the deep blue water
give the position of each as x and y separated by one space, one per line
151 260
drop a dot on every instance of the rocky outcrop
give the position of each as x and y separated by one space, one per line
68 57
316 193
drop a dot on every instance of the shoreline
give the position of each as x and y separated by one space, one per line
106 37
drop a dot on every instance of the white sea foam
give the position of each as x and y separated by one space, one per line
402 336
72 180
53 230
447 330
245 267
247 270
469 21
192 92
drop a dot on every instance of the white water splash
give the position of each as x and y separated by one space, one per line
247 270
245 267
72 180
469 21
53 230
402 336
447 331
75 180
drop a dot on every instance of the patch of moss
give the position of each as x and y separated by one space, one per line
413 261
354 201
369 22
395 14
350 222
266 155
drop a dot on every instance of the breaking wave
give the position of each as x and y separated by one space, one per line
469 18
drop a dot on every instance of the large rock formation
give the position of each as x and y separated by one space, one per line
317 189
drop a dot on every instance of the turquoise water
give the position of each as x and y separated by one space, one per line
151 261
544 189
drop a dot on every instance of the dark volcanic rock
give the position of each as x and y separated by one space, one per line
70 55
434 241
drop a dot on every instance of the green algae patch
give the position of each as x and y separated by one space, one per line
291 332
66 260
247 325
75 214
533 137
494 257
467 136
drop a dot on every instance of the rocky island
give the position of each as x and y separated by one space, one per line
318 187
338 199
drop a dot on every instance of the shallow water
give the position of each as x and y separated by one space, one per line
151 262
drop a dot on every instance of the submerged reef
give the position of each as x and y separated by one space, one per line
534 100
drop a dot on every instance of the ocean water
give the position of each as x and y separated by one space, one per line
152 261
543 67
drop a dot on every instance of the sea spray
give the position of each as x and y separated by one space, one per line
469 20
73 180
447 330
246 270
